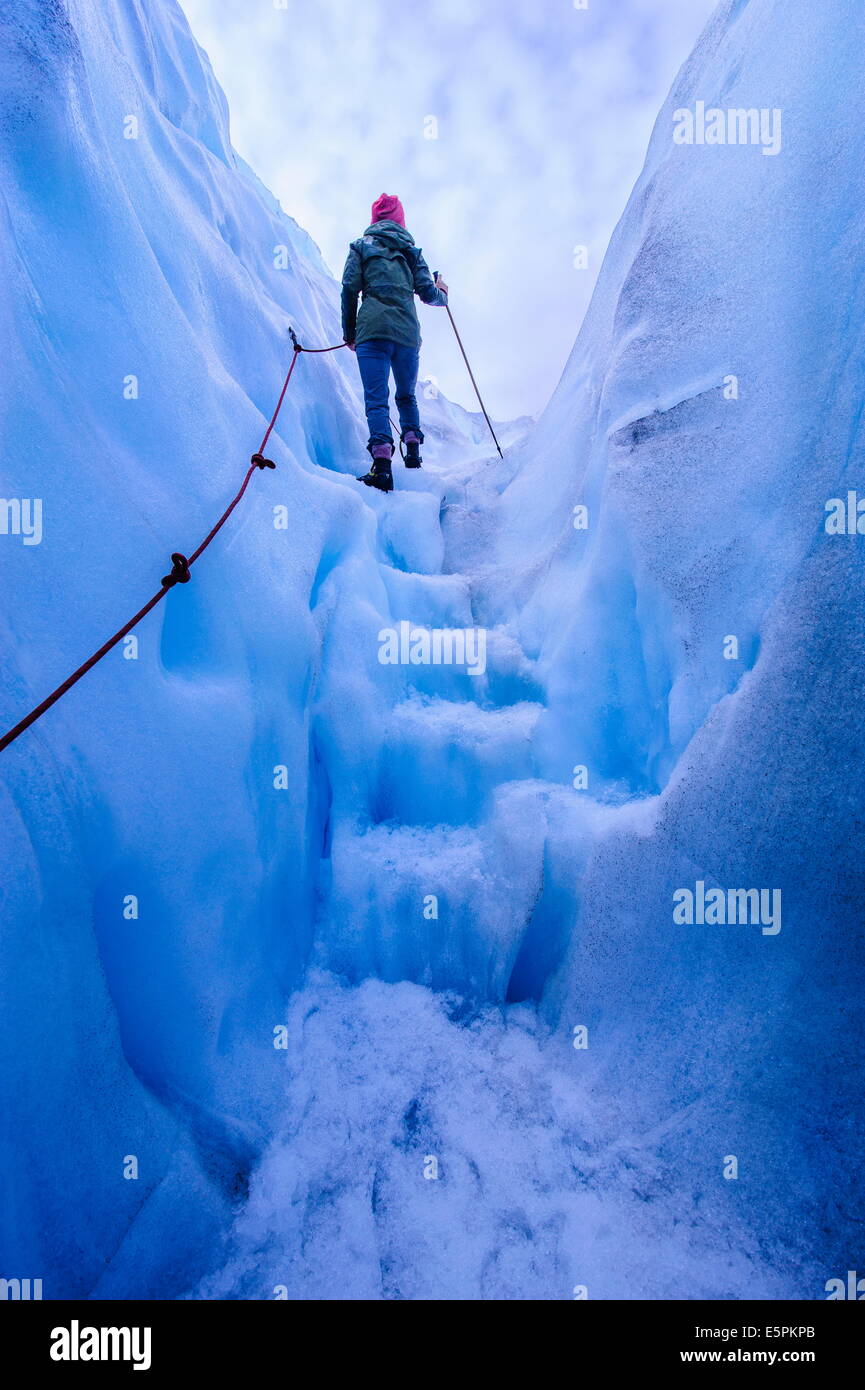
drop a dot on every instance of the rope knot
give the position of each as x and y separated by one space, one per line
179 571
261 462
293 336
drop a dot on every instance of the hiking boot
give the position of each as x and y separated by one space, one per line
380 474
412 450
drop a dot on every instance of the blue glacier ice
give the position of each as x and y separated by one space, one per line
309 943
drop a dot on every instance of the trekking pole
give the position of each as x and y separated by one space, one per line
471 373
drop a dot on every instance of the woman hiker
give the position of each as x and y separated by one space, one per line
386 267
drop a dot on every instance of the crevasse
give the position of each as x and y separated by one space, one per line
424 1126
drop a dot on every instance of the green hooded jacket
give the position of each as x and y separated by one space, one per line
388 270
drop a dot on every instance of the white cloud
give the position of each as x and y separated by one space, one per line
544 114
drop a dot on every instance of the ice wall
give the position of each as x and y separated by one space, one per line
158 888
711 408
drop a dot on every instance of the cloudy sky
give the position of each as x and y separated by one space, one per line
512 131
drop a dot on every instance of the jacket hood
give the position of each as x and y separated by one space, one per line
391 232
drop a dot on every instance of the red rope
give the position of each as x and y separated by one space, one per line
180 570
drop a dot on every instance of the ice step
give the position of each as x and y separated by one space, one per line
503 674
440 905
442 758
428 600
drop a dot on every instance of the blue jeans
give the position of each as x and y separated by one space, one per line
377 358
